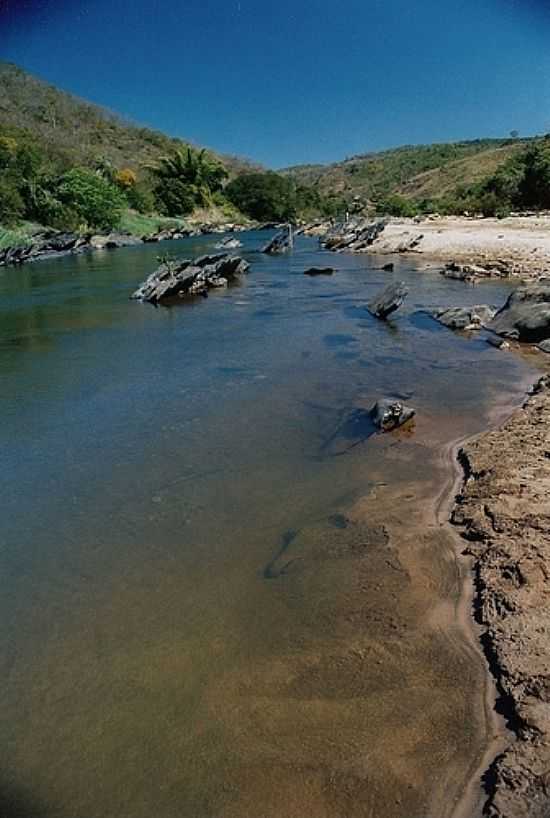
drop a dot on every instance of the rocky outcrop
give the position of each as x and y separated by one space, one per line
229 244
354 236
526 314
185 278
388 300
389 414
464 318
503 514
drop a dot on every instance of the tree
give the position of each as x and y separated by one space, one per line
97 202
187 175
263 196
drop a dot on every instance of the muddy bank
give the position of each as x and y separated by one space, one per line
516 246
504 515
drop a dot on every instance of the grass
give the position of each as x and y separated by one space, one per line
139 225
19 236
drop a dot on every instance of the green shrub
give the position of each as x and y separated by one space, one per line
175 198
397 206
12 206
263 196
91 198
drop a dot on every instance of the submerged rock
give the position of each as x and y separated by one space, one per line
319 271
389 414
526 314
178 279
388 300
464 318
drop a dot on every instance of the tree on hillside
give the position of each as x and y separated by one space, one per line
263 196
186 179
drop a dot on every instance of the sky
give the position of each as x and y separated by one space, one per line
296 82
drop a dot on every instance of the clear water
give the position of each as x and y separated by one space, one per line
175 639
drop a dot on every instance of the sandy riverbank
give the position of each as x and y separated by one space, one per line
503 513
520 244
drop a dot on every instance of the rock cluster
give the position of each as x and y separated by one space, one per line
52 244
503 514
354 236
180 279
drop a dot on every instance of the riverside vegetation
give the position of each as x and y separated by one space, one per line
70 165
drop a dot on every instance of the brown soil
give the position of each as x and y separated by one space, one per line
504 514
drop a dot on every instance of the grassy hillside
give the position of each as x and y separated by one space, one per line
423 171
82 133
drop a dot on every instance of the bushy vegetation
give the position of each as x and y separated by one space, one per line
270 196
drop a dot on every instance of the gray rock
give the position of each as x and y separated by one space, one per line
388 300
178 279
464 318
526 314
389 414
544 346
499 343
280 243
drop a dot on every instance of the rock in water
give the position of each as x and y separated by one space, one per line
177 279
389 414
388 300
464 318
280 243
526 314
319 271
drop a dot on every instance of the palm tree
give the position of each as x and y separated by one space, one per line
196 169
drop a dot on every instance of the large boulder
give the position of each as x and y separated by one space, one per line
389 414
464 318
388 300
526 314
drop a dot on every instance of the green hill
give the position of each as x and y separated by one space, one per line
80 132
422 171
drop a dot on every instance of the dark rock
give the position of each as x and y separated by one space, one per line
526 314
355 235
388 300
464 318
388 268
498 343
280 243
319 271
178 279
389 414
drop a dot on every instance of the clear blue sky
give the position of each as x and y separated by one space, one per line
292 82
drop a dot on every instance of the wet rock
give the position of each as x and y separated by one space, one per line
229 244
388 300
280 243
526 314
319 271
178 279
388 268
464 318
544 346
389 414
498 343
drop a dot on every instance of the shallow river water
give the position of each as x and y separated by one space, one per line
221 596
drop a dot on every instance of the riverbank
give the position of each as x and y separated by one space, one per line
518 246
502 513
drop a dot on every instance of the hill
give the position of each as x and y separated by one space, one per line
79 132
419 172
